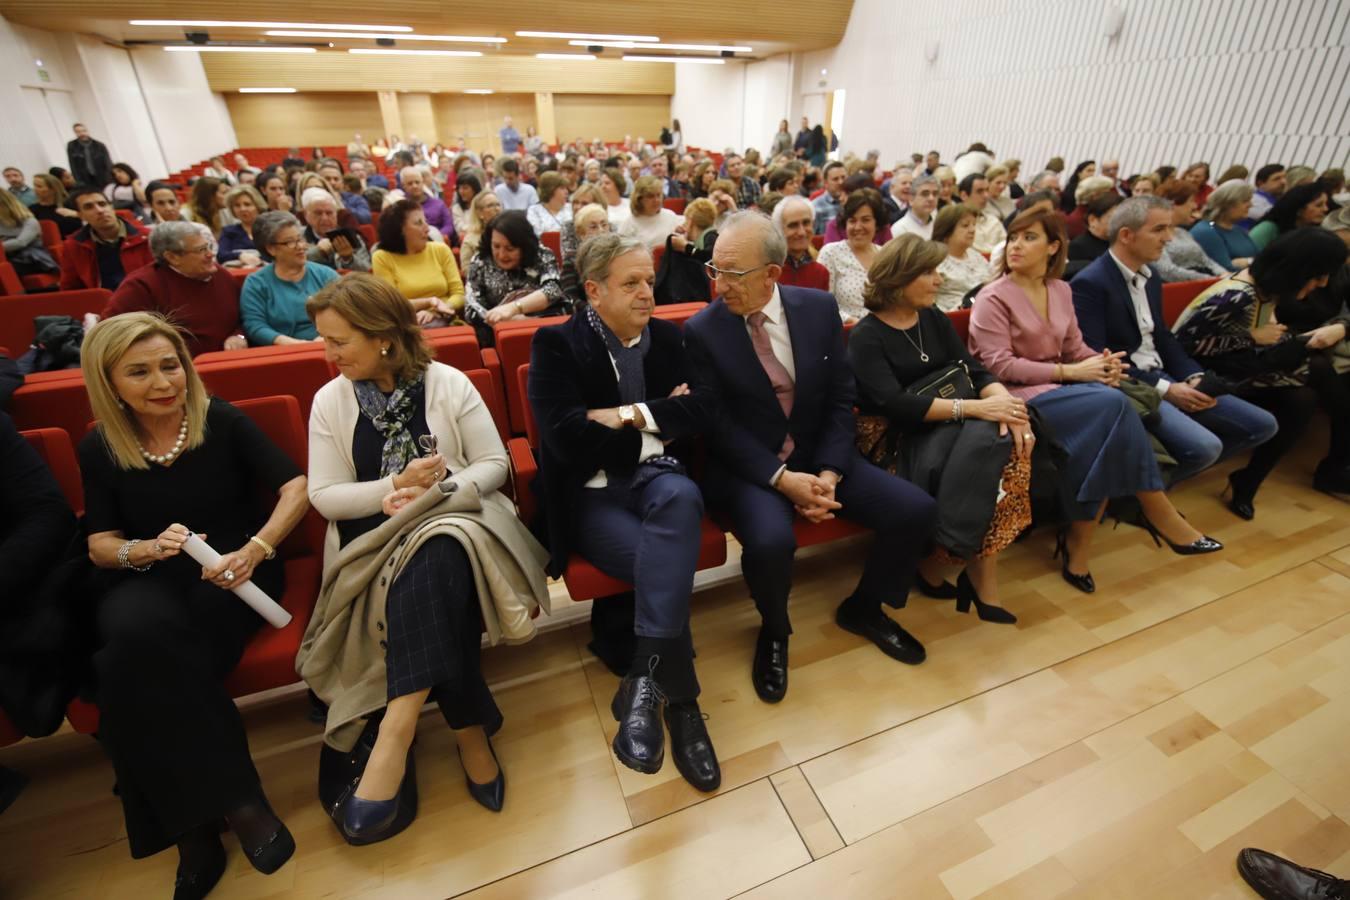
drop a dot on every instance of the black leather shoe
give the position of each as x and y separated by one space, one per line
1241 496
274 848
882 630
491 795
1332 480
1275 878
371 821
196 884
769 672
640 743
943 590
692 748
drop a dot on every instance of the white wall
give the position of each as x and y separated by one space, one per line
768 98
709 102
190 120
153 109
1228 81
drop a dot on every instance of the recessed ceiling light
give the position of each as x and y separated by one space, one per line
388 52
564 56
587 37
478 90
373 36
702 60
633 45
215 23
261 48
267 90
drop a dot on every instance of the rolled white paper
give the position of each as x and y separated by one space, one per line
249 592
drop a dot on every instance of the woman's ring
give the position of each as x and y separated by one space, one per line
1028 436
229 576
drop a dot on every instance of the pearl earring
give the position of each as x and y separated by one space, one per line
384 351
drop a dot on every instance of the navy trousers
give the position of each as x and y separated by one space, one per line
902 516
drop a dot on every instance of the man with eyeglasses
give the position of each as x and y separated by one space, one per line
769 360
187 285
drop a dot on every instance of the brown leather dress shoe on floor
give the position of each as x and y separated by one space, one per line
1275 878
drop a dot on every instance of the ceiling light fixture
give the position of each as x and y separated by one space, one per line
267 90
213 23
564 56
702 60
393 36
632 45
387 52
234 48
587 37
478 90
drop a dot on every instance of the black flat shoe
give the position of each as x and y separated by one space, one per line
692 748
196 883
882 630
1332 480
640 743
988 612
1240 496
1083 582
12 783
769 671
491 795
943 590
365 822
272 851
1201 545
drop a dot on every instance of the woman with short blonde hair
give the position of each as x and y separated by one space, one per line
966 440
650 222
394 427
164 462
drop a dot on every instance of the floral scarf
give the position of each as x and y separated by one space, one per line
390 415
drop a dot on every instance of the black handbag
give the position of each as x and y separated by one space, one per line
951 383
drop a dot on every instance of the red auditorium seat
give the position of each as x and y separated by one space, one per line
269 660
55 447
51 238
817 241
368 234
298 374
16 313
11 285
674 204
553 241
1179 294
960 319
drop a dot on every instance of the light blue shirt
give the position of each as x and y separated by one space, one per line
270 306
522 198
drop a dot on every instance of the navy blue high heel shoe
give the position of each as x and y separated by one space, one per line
493 794
371 821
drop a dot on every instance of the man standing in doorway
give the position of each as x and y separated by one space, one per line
89 159
510 137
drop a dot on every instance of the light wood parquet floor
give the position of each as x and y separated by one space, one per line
1125 744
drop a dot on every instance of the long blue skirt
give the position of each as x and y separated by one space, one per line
1109 451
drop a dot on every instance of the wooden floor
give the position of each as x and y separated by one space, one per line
1126 744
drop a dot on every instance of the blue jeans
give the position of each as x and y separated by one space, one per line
1198 441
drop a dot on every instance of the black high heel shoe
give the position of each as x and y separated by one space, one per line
370 821
943 590
491 795
1201 545
1240 497
988 612
1083 582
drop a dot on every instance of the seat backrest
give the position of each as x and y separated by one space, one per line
1177 295
513 341
57 402
16 313
51 235
553 241
657 253
817 241
11 285
674 204
456 346
300 375
960 319
679 313
57 451
279 418
482 382
369 234
522 383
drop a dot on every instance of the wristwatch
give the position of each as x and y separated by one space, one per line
627 415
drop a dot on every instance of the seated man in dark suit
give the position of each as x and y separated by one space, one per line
608 389
770 360
1118 300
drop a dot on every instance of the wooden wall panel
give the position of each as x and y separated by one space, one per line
610 117
276 120
475 119
417 118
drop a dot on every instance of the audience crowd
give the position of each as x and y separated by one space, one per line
826 377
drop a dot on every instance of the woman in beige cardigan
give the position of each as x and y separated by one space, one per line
396 426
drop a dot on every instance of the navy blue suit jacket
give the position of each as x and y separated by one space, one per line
748 425
1101 300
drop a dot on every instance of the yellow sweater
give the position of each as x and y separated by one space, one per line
431 273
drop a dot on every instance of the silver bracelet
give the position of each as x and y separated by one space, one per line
957 414
124 557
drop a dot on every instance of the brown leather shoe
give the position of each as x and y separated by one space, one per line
1275 878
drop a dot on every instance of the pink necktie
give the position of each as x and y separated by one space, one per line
778 375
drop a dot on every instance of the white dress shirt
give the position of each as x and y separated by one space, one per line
1146 357
910 224
651 444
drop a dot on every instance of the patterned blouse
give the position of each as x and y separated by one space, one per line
488 285
847 278
1216 330
959 276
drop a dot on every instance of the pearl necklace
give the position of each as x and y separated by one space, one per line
177 447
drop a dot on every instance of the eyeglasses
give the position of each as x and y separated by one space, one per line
204 250
292 244
729 275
